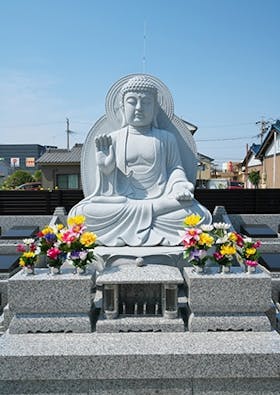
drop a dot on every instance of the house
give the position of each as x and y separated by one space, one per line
204 167
61 168
251 163
269 155
22 156
5 170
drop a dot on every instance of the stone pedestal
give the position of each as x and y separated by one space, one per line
142 298
51 303
235 301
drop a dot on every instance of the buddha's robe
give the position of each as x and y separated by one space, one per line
123 209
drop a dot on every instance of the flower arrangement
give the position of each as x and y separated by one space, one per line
59 243
30 253
197 241
250 252
224 244
78 243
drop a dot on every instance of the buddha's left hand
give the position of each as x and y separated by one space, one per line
183 191
183 195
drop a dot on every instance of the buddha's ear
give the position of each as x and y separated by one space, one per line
123 121
156 111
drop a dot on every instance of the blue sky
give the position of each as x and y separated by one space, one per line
219 58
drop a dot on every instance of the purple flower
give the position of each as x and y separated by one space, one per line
197 255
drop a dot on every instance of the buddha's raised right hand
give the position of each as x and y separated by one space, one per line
105 156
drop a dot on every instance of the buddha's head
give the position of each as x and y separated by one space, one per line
139 102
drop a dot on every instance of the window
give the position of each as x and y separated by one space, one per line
68 181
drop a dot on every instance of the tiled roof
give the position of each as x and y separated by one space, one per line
62 155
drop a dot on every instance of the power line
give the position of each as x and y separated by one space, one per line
228 139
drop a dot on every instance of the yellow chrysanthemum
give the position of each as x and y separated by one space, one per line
88 238
206 239
228 250
232 237
29 254
192 220
250 251
47 230
21 262
77 220
60 226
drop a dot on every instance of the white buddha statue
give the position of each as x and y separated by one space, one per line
142 193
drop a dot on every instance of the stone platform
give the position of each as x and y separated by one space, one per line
140 363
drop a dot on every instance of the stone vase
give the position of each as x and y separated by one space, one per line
81 270
55 270
29 270
198 269
251 269
225 269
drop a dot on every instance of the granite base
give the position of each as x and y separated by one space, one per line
43 323
140 363
140 324
228 322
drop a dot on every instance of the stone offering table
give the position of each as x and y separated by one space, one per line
234 301
141 298
51 303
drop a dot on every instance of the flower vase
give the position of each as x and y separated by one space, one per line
29 270
55 270
251 269
225 269
81 270
198 269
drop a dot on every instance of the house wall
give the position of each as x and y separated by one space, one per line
49 174
269 169
204 174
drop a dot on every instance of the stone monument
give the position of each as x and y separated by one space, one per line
138 168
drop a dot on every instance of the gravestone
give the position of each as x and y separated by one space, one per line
271 261
8 263
257 230
20 232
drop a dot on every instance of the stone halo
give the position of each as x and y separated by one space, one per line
113 98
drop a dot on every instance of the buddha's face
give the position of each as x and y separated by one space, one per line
139 108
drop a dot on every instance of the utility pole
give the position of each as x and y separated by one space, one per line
264 126
68 134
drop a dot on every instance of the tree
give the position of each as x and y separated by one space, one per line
17 178
37 175
254 178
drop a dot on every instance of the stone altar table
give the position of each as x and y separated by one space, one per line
142 298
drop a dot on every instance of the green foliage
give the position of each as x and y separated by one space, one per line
37 176
17 178
254 178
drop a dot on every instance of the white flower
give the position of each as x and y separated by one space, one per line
38 250
28 241
221 225
247 240
83 255
222 240
206 228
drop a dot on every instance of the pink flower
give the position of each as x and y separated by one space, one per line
251 263
69 236
53 252
239 240
79 229
257 244
218 256
191 236
21 248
